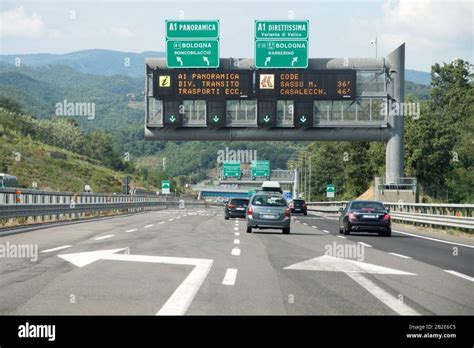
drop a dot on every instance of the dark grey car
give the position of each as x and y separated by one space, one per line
268 211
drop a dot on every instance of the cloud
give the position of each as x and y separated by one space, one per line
432 23
120 32
17 23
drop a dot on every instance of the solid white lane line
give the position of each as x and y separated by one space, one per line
236 241
365 244
147 226
105 237
400 255
326 231
55 249
236 234
342 237
132 230
230 276
471 279
389 300
434 239
235 251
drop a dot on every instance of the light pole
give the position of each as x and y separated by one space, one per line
374 42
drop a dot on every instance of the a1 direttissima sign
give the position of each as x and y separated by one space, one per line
203 84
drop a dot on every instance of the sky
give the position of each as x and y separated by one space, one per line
434 31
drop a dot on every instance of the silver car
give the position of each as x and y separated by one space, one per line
268 210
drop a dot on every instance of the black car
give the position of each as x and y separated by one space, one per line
365 216
299 206
236 207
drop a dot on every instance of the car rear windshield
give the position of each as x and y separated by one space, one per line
298 202
367 206
269 201
240 201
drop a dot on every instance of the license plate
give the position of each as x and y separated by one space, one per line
369 216
240 208
297 209
268 216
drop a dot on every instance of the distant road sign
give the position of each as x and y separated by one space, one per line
192 53
281 29
306 85
192 29
260 169
281 54
165 187
231 170
330 191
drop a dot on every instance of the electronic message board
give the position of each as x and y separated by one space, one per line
203 84
306 85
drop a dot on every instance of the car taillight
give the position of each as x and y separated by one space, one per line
287 212
352 216
304 206
386 217
231 206
250 211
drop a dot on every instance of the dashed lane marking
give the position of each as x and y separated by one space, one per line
104 237
56 249
230 276
235 251
400 255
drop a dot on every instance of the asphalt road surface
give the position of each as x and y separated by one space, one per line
192 261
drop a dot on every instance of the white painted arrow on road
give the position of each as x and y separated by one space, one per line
179 302
353 269
336 264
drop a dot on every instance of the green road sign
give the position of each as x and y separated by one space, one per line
281 53
231 170
330 191
192 53
192 29
260 169
281 29
165 187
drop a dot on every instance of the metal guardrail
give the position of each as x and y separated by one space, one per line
436 214
17 203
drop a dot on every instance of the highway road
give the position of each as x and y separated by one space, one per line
192 261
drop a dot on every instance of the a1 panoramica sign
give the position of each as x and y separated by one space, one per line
192 44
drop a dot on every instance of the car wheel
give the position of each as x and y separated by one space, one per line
286 230
388 233
305 213
340 230
346 231
249 229
226 217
